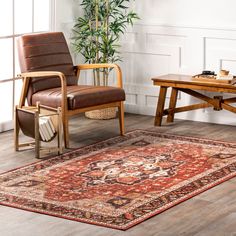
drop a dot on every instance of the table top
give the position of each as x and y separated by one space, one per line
178 80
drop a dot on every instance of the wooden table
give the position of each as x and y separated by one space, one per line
186 84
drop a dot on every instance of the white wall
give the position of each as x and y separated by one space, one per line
201 13
66 11
184 36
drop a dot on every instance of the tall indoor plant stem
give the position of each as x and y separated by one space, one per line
97 33
97 78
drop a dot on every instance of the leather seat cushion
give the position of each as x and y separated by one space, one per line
79 96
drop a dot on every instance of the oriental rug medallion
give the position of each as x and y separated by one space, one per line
122 181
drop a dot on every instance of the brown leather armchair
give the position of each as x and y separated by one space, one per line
49 77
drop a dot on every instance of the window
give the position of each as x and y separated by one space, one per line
18 17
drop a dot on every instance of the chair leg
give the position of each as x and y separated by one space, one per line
16 130
59 134
66 130
36 135
121 118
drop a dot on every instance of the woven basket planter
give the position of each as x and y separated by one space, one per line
102 114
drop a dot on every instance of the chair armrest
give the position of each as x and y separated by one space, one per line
40 74
102 65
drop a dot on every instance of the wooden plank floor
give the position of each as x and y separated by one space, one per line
211 213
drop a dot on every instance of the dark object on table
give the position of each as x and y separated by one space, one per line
208 72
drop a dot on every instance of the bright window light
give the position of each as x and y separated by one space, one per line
6 101
23 16
6 58
6 18
17 17
41 15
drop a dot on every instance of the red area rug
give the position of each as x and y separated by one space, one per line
122 181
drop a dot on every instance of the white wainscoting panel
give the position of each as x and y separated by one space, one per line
152 50
172 36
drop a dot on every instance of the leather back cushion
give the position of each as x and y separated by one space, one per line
45 52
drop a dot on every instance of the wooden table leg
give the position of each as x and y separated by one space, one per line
160 106
173 100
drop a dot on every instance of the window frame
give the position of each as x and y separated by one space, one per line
7 125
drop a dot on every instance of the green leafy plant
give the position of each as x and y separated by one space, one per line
97 33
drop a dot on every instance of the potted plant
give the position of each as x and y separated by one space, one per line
96 34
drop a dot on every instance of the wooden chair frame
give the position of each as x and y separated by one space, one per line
35 111
64 106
